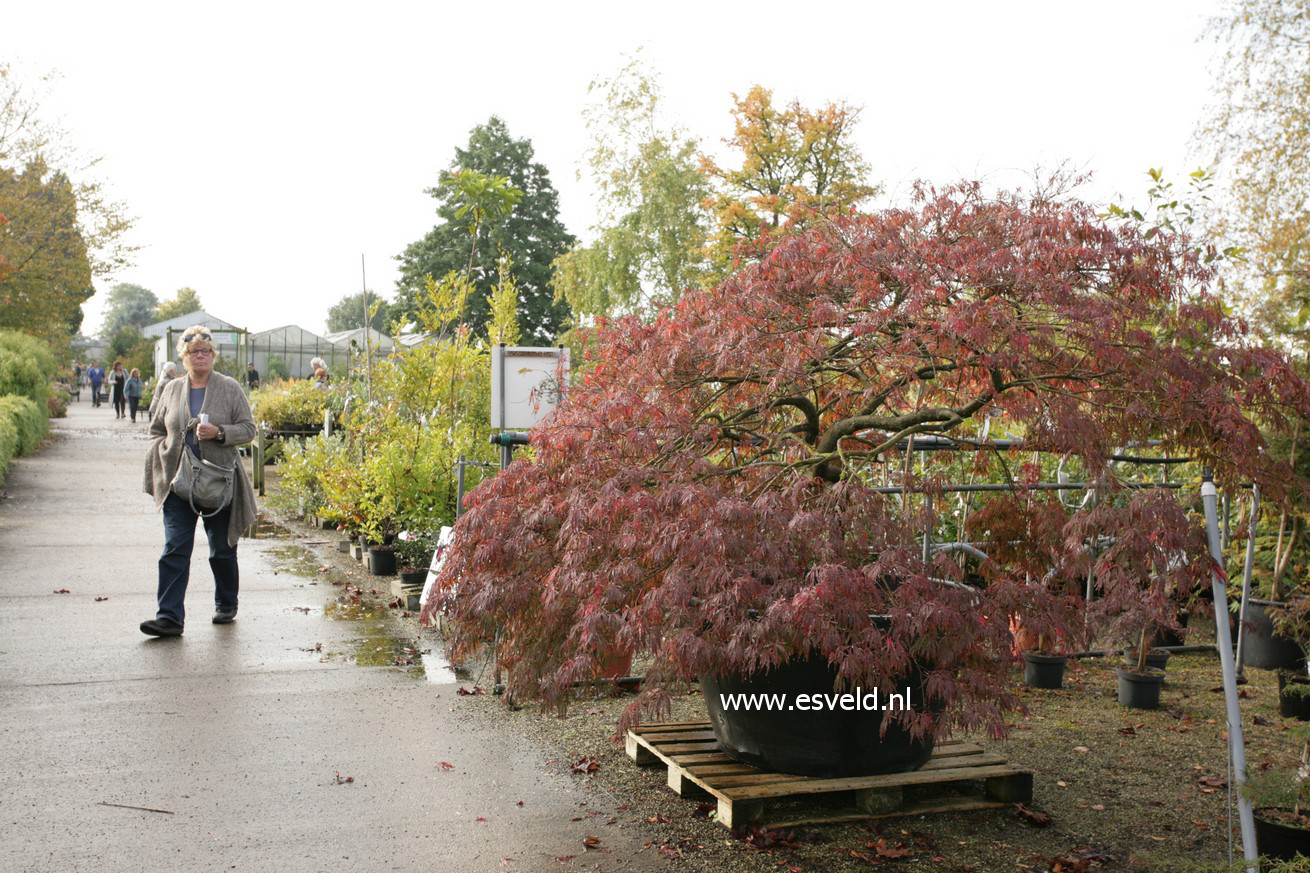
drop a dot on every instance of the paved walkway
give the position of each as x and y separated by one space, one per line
236 730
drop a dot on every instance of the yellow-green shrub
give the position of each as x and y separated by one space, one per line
29 420
26 366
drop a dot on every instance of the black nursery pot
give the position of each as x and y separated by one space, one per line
1263 648
1155 659
1140 690
1043 671
413 578
382 561
1282 842
823 743
1290 703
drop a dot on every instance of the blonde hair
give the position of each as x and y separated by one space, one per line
196 333
135 372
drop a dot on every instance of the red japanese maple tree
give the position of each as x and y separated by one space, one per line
706 494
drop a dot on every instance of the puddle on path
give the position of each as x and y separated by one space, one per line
378 638
263 529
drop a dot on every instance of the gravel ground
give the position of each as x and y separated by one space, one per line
1124 789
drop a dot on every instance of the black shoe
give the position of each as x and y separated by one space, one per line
225 616
161 627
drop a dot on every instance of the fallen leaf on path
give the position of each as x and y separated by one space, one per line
884 849
469 692
1040 819
62 591
101 599
591 842
1082 750
344 780
1129 731
1213 781
446 765
585 765
703 810
520 803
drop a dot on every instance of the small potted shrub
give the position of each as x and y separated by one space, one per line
414 551
709 493
1293 623
1280 800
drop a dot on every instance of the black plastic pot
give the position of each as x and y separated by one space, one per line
414 578
1043 671
814 742
382 561
1292 704
1280 841
1169 637
1140 690
1261 647
1155 659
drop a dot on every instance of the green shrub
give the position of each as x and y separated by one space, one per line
293 405
8 442
30 422
26 366
57 404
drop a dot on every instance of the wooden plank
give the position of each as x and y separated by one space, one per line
793 819
720 769
956 749
724 783
700 758
973 761
638 752
886 780
669 749
733 814
661 737
671 726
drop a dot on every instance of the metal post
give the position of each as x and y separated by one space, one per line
1236 745
504 450
459 488
1246 576
259 460
327 422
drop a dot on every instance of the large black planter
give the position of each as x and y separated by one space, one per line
382 561
1292 704
1043 671
1140 690
1261 647
823 743
1280 841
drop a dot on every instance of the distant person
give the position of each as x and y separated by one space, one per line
252 376
117 379
177 427
166 375
321 379
133 391
96 376
316 364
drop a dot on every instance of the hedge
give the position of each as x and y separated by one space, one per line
29 419
26 366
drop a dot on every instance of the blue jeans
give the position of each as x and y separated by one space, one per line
175 562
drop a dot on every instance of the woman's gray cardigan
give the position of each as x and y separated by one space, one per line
226 406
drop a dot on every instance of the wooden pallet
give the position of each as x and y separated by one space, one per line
747 795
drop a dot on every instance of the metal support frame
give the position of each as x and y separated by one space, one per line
1236 744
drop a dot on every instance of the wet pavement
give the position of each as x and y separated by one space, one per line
308 735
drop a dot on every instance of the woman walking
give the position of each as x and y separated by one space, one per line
133 391
117 383
205 413
168 375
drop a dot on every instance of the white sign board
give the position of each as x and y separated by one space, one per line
438 558
526 384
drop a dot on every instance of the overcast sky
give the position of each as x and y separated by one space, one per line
264 147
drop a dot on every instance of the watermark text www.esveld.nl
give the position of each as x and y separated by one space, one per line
848 701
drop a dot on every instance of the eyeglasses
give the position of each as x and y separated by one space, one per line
195 352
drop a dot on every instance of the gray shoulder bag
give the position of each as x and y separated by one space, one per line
203 484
